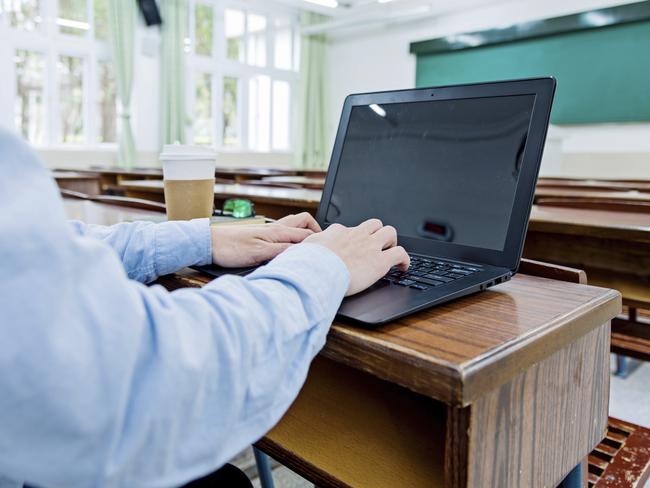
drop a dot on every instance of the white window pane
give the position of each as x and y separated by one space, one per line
24 14
203 29
100 19
203 121
70 77
107 103
234 26
259 107
296 49
256 40
29 113
73 18
281 109
230 112
282 46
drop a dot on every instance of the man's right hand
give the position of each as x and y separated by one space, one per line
368 250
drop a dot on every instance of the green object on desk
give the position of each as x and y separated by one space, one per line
239 208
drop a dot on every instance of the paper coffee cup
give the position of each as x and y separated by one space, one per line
188 173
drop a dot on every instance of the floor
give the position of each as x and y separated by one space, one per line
629 400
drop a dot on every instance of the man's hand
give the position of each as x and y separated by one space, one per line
368 250
249 245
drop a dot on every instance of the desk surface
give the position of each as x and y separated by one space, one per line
73 175
596 223
594 185
631 196
305 181
306 197
104 214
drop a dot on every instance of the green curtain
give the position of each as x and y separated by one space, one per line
172 61
312 148
122 18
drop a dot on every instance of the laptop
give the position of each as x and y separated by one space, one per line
453 169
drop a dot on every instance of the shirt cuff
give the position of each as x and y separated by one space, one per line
179 244
315 270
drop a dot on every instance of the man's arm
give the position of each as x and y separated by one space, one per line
148 250
107 382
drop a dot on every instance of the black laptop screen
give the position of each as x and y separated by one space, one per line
445 170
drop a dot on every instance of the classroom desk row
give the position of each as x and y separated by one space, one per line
272 202
495 389
110 179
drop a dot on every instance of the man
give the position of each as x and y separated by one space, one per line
107 382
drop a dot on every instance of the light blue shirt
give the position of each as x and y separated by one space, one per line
105 382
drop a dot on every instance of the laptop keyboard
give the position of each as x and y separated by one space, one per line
426 272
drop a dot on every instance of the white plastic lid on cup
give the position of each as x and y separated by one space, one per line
185 162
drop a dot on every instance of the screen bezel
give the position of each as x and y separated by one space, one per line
542 89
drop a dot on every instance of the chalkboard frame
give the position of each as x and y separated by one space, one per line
592 19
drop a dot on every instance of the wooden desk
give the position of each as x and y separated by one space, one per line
628 196
594 185
240 174
88 183
504 388
110 178
269 201
105 214
304 181
612 247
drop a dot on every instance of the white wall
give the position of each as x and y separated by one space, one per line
379 59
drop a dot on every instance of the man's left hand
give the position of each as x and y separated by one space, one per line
236 246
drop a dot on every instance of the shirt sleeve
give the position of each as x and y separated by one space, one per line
107 382
148 250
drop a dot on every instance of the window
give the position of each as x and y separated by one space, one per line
72 17
29 112
234 27
107 103
64 89
24 15
230 111
244 66
70 77
203 120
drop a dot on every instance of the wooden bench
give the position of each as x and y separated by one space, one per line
622 459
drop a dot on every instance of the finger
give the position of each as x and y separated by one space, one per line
282 233
370 226
303 220
396 256
386 237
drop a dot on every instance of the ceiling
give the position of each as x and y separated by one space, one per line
363 14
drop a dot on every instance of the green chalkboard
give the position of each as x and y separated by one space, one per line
603 74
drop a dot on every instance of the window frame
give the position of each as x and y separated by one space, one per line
219 66
49 41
